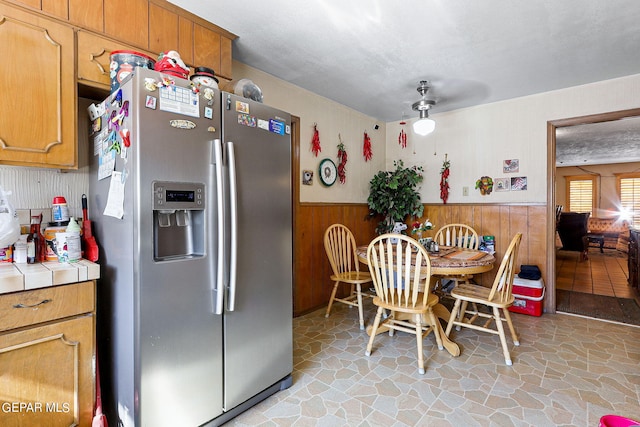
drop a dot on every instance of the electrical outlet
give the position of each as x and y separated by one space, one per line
465 191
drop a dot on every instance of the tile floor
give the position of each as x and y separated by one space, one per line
567 371
602 274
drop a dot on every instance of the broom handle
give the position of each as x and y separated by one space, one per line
98 393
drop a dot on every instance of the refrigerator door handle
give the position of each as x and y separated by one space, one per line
233 213
219 280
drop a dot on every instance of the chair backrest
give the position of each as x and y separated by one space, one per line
459 235
340 246
392 260
502 287
572 227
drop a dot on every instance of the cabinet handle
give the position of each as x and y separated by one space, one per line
44 301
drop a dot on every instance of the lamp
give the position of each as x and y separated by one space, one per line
425 125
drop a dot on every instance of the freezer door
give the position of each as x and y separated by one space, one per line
258 332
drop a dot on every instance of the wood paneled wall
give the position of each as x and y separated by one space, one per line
312 287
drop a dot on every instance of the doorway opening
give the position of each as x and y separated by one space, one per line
598 285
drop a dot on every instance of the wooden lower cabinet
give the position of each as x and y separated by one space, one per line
47 368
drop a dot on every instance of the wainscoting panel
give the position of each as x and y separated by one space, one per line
312 286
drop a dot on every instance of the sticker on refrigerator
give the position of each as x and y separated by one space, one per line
276 127
208 113
263 124
179 100
242 107
247 120
182 124
151 102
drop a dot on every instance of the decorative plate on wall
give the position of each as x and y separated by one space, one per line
328 172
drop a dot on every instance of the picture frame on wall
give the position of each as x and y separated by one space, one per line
519 183
307 177
511 166
502 184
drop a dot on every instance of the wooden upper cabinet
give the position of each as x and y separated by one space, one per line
163 30
128 21
87 14
206 48
94 58
225 58
38 87
185 40
57 8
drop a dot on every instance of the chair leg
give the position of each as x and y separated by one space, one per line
419 339
333 295
462 314
514 335
360 313
503 339
452 318
374 329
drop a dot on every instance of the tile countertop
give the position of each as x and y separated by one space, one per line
22 277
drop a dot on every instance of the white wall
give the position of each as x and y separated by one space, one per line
333 119
476 140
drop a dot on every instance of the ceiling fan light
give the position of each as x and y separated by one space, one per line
424 126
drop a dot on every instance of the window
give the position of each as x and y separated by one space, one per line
581 193
629 190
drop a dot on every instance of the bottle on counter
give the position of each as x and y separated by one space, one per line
60 210
34 241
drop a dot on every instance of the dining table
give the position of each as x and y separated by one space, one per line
447 261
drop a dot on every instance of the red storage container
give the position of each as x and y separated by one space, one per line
528 295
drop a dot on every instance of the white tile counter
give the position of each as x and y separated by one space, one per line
21 277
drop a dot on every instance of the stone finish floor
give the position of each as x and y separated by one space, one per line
567 371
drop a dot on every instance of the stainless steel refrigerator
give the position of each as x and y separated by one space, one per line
190 199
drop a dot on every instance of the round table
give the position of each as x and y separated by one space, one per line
449 261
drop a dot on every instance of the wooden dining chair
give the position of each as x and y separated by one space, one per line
340 246
497 299
402 290
459 235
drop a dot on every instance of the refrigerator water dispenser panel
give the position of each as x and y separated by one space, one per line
178 220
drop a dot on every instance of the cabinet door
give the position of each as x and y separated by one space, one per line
163 29
94 57
87 14
128 20
37 112
47 376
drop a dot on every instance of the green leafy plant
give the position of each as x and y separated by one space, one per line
394 195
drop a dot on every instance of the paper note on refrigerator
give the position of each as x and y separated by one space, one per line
115 199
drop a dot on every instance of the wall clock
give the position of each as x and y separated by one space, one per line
328 172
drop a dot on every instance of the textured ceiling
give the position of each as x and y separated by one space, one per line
370 54
599 143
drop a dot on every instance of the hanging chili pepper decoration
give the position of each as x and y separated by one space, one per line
444 180
342 161
366 148
315 141
402 138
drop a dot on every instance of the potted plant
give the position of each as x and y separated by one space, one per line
394 195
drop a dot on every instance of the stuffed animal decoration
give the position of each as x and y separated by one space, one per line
169 62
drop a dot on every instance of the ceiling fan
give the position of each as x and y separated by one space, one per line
424 125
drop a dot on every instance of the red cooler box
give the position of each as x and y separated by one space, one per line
528 295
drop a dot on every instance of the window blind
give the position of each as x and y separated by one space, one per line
581 195
630 198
